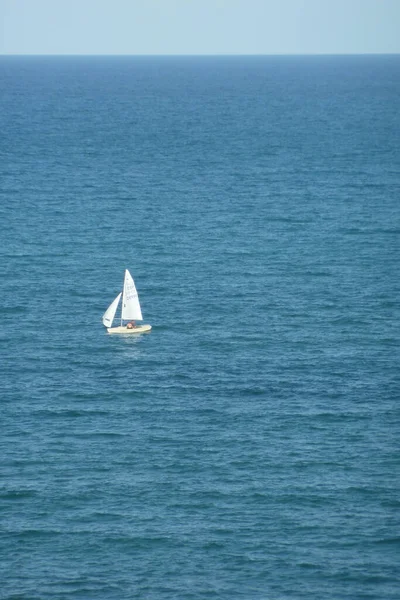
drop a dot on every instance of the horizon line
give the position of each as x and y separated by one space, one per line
203 55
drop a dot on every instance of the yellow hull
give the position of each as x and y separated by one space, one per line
124 329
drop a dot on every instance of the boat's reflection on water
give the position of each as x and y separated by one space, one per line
129 344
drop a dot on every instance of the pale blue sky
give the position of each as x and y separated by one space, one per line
199 26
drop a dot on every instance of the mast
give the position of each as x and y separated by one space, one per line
122 303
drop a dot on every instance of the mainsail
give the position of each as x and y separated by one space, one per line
130 300
109 315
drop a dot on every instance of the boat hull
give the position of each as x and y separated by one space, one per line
124 329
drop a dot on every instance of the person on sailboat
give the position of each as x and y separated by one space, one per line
131 325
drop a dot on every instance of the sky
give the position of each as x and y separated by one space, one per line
165 27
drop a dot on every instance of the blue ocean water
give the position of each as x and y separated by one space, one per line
248 446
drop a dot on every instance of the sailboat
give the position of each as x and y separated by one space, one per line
130 310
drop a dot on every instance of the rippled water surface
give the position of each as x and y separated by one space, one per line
248 446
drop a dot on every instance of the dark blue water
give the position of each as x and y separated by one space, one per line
248 446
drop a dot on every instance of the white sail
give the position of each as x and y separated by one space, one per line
109 315
130 300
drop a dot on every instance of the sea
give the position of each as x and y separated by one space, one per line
248 446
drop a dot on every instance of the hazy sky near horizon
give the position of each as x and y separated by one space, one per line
199 26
